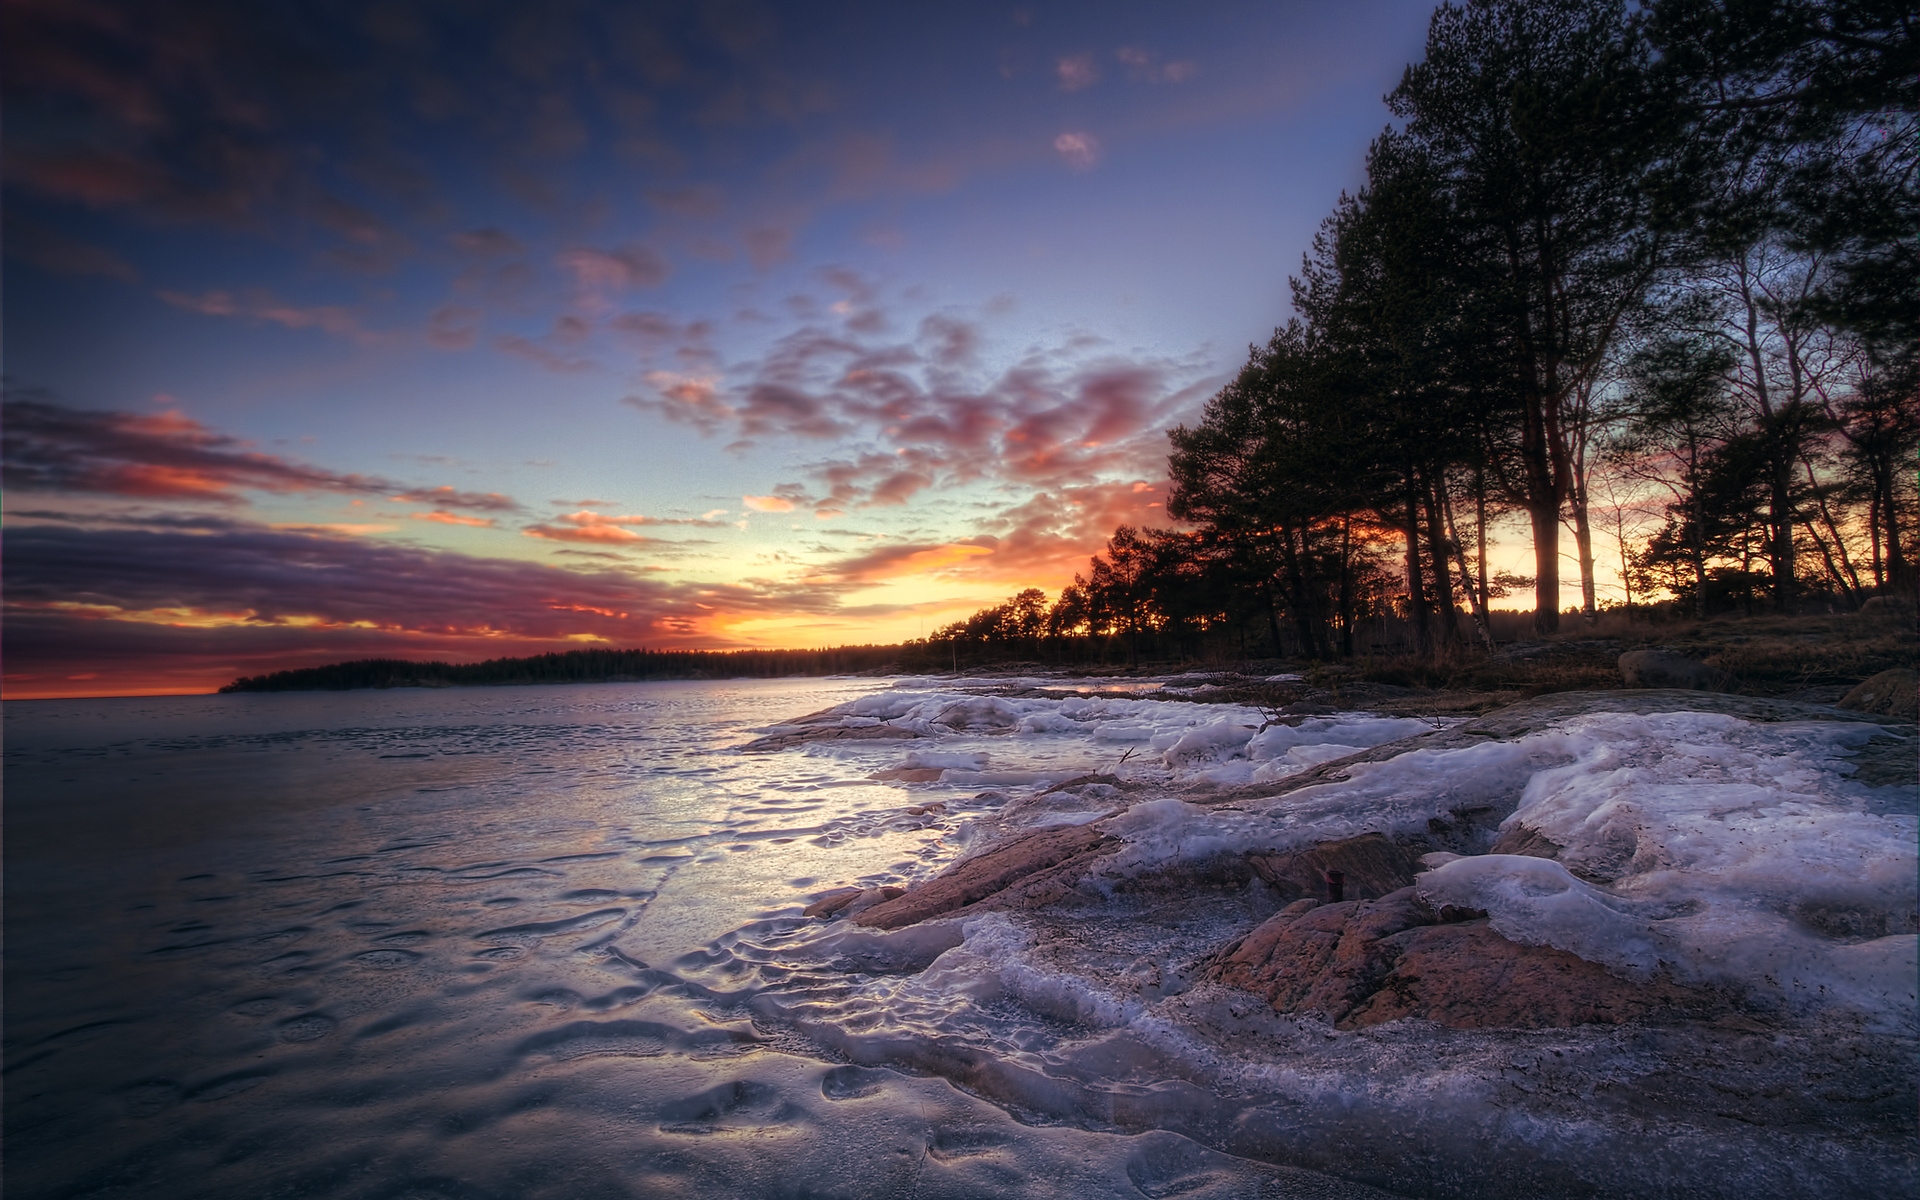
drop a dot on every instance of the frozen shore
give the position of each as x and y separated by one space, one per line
1611 943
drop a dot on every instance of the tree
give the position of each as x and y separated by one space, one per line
1545 123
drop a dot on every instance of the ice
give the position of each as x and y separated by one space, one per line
1207 743
1726 850
967 760
1347 730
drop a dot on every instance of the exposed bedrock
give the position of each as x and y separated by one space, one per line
1358 868
829 733
1662 669
1026 872
1892 693
1360 963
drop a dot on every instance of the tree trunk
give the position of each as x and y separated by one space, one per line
1416 590
1545 519
1476 601
1346 586
1442 574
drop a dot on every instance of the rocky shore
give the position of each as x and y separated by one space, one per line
1609 870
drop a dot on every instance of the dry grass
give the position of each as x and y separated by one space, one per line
1766 655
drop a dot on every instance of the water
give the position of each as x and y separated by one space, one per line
505 942
549 942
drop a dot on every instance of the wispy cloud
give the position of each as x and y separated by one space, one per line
171 456
259 307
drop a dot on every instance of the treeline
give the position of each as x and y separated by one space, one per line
1645 274
574 666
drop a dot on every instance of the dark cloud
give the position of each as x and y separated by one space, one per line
453 326
487 243
698 201
169 456
51 250
535 352
448 497
132 604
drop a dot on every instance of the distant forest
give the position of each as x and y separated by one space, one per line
575 666
1645 274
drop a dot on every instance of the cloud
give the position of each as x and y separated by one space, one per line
448 497
1144 67
51 250
905 560
768 245
452 326
170 456
767 504
1079 150
256 307
443 517
534 352
591 527
695 200
195 608
921 415
1077 73
487 243
600 272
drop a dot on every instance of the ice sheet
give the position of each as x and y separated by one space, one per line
1726 850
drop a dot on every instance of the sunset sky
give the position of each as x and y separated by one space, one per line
455 330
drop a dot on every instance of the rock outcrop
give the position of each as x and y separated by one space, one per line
1662 669
1357 868
1025 872
1360 963
1891 693
828 733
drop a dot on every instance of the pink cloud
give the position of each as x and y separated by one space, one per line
609 271
1077 73
442 517
1079 150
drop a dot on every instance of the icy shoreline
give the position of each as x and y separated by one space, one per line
1740 908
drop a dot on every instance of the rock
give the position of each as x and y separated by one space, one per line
1370 866
828 733
1524 839
1886 605
832 902
1361 963
1891 693
1025 872
1660 669
852 900
1466 976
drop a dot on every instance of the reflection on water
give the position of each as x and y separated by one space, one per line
510 942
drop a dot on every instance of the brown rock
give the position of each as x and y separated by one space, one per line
828 733
1524 839
1891 693
1661 669
832 902
1882 605
1466 976
1026 872
1364 963
1324 960
1370 867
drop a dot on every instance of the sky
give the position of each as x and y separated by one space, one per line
467 330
